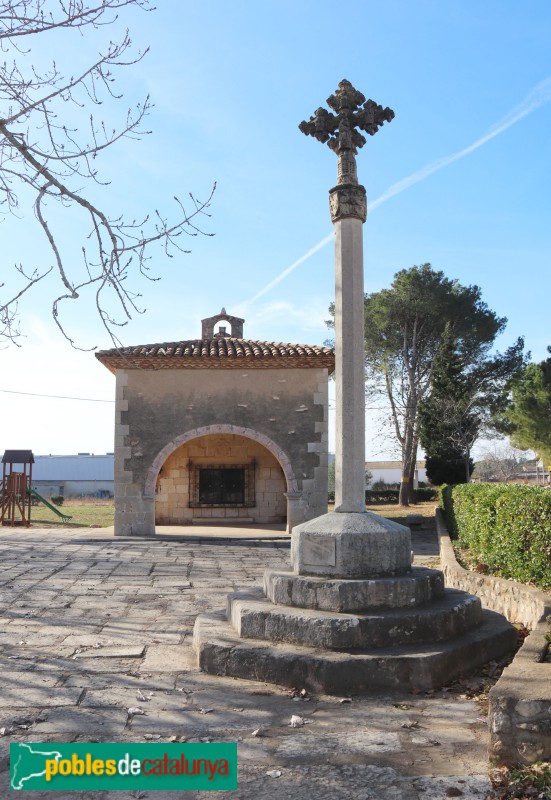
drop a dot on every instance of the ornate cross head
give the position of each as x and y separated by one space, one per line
339 130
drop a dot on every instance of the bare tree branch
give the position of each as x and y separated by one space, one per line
43 149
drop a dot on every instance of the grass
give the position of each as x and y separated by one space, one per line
91 512
85 513
398 513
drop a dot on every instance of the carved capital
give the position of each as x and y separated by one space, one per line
348 200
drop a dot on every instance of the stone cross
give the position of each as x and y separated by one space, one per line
352 615
341 132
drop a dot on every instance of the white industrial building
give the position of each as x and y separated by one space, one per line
391 471
83 475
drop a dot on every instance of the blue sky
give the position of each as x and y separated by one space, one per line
470 84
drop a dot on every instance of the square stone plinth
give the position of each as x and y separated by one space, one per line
351 545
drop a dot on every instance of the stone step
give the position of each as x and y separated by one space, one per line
415 588
221 652
255 617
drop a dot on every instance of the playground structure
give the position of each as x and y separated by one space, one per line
17 491
16 487
64 517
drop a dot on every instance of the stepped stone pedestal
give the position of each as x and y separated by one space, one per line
351 616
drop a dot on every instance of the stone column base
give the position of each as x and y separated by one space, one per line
294 510
351 545
134 516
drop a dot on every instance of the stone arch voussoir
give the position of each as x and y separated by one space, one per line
207 430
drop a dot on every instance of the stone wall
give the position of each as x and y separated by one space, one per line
172 498
284 410
520 702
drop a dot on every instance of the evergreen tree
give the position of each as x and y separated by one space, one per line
448 425
528 417
404 327
463 398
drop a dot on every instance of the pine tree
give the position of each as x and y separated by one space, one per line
448 423
528 418
464 401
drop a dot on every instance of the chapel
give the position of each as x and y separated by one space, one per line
219 430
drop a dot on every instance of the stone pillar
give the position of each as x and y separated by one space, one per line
134 512
294 511
349 351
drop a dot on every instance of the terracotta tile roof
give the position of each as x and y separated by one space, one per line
218 353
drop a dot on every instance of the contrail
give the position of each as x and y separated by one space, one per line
285 272
536 98
539 95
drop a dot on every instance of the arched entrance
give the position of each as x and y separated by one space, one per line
224 474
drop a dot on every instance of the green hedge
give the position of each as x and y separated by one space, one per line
506 528
393 495
381 496
425 493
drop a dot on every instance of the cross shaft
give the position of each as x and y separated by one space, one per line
341 132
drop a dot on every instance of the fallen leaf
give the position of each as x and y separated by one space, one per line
402 706
411 725
258 732
274 773
206 710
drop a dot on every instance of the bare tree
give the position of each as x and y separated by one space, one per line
502 462
44 155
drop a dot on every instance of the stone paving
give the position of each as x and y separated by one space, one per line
92 624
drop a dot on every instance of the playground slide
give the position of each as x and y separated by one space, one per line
64 517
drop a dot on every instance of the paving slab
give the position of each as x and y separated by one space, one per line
25 696
70 721
113 651
87 586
